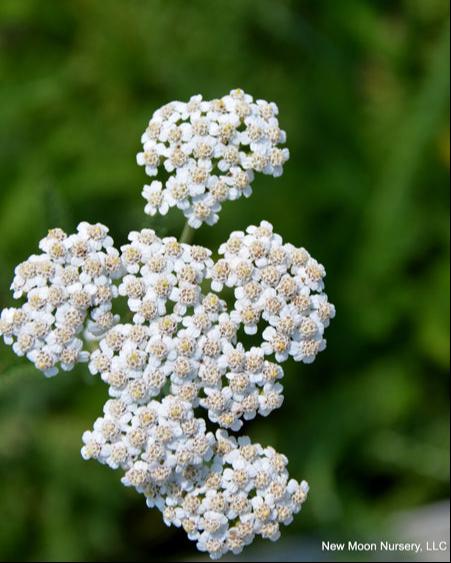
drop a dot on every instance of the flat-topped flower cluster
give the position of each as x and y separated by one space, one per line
211 151
69 288
178 358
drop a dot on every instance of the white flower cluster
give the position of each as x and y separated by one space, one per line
222 491
210 149
279 283
182 352
68 288
179 353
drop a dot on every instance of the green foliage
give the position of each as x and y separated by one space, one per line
363 89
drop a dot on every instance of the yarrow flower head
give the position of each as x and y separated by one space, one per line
68 290
211 150
177 358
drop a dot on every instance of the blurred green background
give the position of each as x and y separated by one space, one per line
363 90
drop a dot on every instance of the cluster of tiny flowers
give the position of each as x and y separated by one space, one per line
178 355
68 289
223 492
211 150
244 492
182 352
279 283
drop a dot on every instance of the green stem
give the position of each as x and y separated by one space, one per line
187 234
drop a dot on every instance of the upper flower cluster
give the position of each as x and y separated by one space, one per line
210 151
